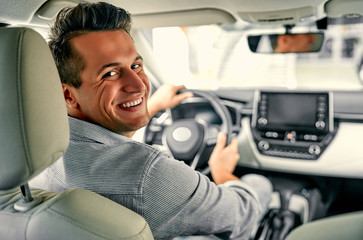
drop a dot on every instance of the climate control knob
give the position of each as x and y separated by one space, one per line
314 150
263 145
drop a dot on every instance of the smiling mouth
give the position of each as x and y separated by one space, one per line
131 104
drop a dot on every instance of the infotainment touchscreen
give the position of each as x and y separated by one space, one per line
293 111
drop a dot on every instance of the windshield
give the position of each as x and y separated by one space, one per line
214 56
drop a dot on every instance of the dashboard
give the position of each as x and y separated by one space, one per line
312 132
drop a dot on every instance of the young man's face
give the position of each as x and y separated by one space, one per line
115 88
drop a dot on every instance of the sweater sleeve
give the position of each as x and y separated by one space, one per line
179 201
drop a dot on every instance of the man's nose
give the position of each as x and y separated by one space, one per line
131 82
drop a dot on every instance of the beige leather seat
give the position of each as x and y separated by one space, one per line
33 134
346 226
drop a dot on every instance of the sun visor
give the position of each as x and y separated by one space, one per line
339 8
182 18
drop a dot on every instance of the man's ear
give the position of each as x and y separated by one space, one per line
73 108
70 98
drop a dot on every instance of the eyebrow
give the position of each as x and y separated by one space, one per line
138 58
116 64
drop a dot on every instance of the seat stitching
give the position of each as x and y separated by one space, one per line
20 102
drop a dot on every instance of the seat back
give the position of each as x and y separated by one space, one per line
34 133
343 226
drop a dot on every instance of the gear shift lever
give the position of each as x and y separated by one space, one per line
285 196
285 220
278 222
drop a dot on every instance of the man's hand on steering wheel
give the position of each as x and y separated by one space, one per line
223 160
167 96
191 139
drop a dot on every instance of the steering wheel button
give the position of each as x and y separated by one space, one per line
182 134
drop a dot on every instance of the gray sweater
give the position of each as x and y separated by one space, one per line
174 199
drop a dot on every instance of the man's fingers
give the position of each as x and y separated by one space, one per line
234 142
179 87
180 97
221 141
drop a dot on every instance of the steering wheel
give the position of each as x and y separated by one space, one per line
190 140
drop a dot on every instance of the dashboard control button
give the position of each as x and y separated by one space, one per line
263 145
320 125
321 116
321 110
262 121
270 134
290 136
314 150
310 137
263 108
263 114
264 97
322 99
321 105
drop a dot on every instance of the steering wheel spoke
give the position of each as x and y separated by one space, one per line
212 134
156 127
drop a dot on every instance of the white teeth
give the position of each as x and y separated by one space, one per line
132 104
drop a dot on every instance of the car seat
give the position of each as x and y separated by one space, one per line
34 133
343 226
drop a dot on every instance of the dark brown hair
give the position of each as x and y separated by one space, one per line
78 20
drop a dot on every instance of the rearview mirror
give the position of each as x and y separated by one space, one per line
286 43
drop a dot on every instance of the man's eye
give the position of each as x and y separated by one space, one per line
134 66
109 74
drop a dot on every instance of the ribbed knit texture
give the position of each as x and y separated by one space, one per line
174 199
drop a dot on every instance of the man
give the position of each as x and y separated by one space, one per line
106 92
292 43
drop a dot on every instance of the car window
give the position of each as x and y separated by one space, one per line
218 56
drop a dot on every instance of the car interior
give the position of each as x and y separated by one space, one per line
285 78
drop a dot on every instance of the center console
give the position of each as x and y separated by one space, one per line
292 124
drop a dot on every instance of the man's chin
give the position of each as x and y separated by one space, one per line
127 128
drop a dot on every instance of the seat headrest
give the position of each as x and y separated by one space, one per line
34 129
